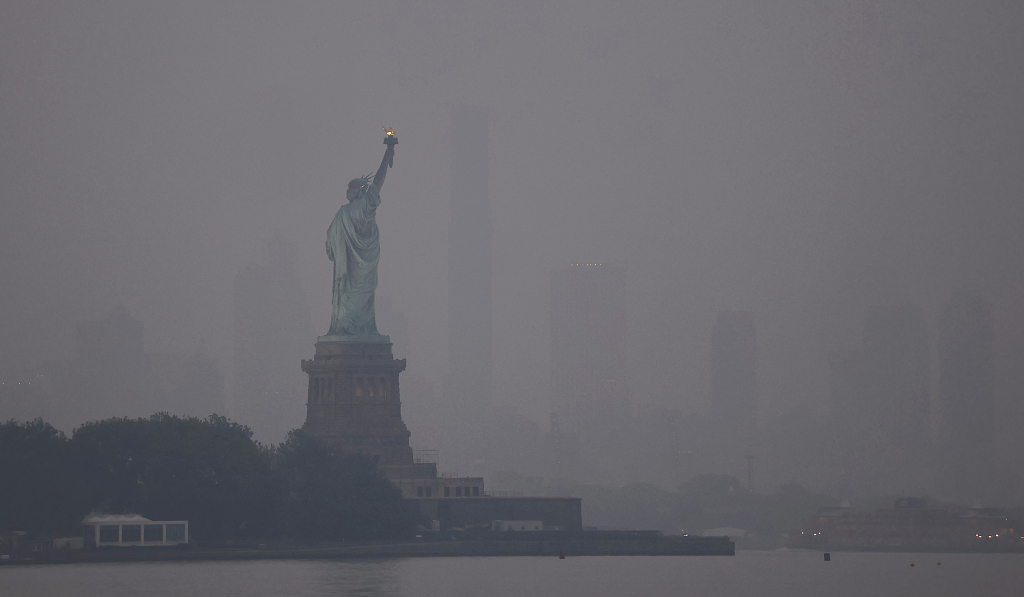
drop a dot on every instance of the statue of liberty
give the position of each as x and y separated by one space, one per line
353 244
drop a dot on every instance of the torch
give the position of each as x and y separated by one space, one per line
390 140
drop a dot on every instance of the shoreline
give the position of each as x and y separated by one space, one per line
662 546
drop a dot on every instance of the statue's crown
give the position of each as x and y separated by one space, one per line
358 183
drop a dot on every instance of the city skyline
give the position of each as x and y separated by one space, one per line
798 162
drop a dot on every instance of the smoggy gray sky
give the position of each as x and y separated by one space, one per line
797 159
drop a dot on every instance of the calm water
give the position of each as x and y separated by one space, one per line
782 573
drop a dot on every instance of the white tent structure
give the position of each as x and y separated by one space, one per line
101 530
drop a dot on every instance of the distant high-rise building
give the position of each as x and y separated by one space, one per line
111 375
967 393
193 385
117 338
880 404
899 339
272 335
588 343
592 409
732 417
734 371
468 382
110 368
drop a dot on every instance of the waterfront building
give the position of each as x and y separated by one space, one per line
912 524
517 525
101 530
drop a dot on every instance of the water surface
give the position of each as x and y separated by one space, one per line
781 573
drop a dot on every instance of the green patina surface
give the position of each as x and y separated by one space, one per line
353 244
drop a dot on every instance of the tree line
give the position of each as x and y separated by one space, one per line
207 471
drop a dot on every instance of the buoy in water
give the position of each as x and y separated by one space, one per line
911 564
938 563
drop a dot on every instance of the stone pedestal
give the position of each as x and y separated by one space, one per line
354 403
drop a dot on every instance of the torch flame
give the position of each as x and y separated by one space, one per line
390 132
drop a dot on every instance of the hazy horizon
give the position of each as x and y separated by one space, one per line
802 161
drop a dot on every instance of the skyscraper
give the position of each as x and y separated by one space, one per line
468 382
734 371
111 375
732 416
967 394
592 408
272 334
881 404
588 351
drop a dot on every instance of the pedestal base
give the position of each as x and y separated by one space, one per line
354 402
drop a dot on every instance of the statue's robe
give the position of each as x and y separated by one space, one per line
353 244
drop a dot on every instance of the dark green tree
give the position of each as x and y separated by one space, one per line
38 482
329 495
207 471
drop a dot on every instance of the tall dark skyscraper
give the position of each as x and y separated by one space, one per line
468 383
967 394
273 334
881 404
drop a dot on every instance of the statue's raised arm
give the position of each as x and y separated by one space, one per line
389 157
378 179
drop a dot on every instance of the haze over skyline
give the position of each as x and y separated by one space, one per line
800 161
